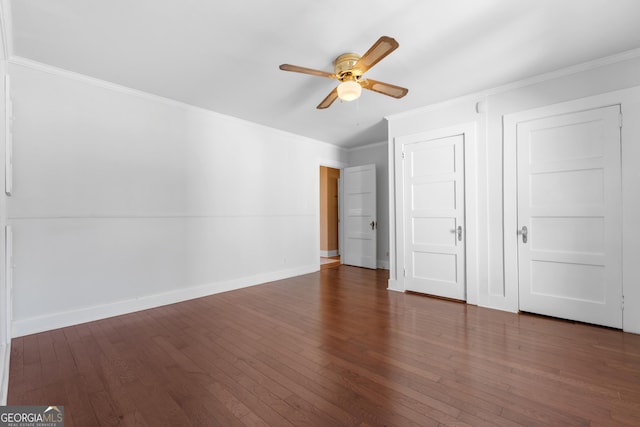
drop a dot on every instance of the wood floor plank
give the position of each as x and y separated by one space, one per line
331 348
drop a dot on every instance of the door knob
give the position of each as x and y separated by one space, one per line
373 225
525 233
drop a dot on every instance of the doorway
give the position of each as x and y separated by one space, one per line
329 218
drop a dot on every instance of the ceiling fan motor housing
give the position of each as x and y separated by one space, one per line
344 67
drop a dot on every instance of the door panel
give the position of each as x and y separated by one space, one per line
568 280
569 198
434 210
566 235
434 231
439 267
434 195
360 212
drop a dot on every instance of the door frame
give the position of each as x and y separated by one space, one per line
469 131
510 189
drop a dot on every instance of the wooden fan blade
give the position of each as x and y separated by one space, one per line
383 47
328 100
296 69
384 88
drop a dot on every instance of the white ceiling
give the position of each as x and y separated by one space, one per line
224 55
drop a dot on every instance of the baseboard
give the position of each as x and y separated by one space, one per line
328 254
89 314
383 264
394 285
5 355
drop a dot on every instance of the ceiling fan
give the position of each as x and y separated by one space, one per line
349 68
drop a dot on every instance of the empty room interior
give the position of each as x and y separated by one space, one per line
294 213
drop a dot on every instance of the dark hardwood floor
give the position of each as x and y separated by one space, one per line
331 348
329 262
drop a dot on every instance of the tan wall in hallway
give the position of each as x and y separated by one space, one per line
329 208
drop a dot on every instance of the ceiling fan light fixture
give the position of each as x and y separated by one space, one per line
349 90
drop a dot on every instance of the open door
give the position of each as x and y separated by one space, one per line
360 242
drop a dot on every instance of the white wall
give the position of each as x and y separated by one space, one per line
4 335
124 201
5 339
377 154
600 77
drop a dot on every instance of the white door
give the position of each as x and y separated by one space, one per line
569 216
360 243
434 217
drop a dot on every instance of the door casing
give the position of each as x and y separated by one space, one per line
470 201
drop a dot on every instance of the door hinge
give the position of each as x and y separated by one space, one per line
622 303
403 154
404 272
620 119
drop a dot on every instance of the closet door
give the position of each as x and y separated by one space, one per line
434 211
569 216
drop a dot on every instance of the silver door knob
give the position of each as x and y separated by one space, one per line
525 233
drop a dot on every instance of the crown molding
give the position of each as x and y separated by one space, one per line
364 147
540 78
